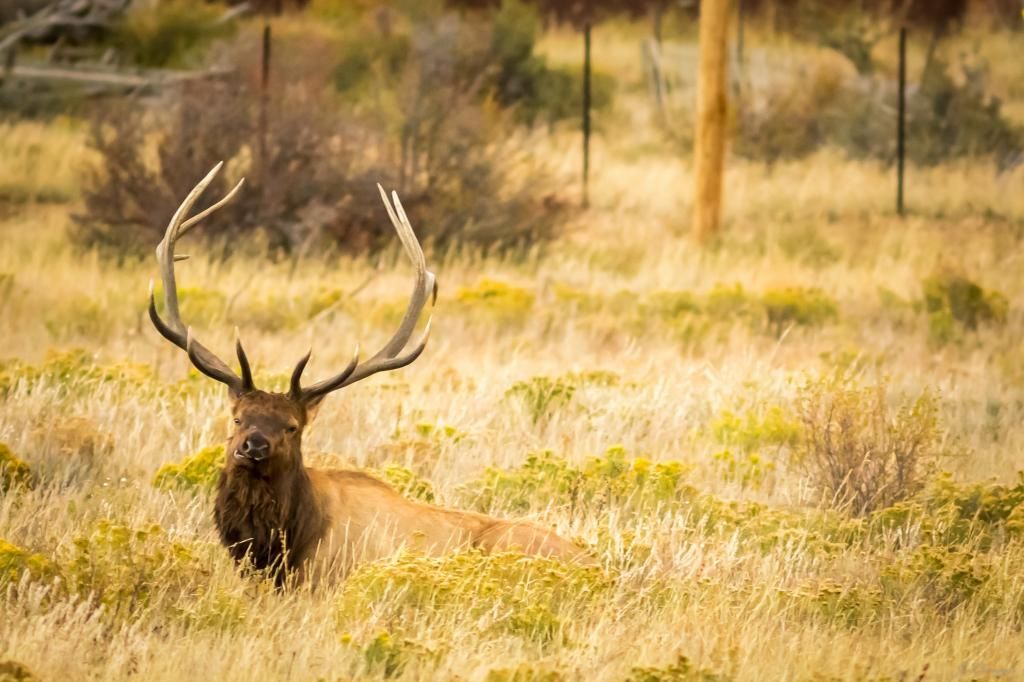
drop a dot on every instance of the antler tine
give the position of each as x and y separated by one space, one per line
165 249
225 376
194 220
173 329
387 358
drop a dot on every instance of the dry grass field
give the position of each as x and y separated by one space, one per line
658 402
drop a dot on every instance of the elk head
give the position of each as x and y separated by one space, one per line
267 434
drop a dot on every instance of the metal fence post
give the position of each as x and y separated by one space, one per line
901 123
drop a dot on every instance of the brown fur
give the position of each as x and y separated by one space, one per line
315 523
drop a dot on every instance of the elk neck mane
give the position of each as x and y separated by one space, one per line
277 521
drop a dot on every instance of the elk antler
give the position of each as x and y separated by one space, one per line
173 329
387 358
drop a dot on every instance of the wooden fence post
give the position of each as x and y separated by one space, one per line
712 104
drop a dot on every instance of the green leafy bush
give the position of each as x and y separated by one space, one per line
946 577
503 300
798 306
545 480
756 429
852 605
754 436
955 303
406 482
167 34
950 514
15 561
196 473
14 473
507 593
525 672
950 117
14 671
420 450
73 370
497 51
125 568
749 469
389 655
681 670
525 81
542 395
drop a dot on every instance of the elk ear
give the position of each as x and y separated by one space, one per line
233 396
312 408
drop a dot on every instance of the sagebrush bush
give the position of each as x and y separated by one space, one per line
406 482
15 561
13 471
858 451
955 303
500 299
75 370
546 480
945 577
543 396
15 671
680 670
196 473
388 655
507 593
419 450
810 307
951 514
756 429
127 568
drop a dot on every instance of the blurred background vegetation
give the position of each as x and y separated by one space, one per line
436 99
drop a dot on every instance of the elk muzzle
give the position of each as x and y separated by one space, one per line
255 448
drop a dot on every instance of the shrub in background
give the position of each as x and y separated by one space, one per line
946 118
860 453
954 303
167 33
524 80
426 131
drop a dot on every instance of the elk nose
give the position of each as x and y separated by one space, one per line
255 447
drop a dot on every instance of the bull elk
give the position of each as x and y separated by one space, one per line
309 523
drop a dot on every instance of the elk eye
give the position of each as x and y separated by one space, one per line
293 429
237 421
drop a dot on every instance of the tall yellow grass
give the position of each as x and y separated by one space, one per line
726 601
